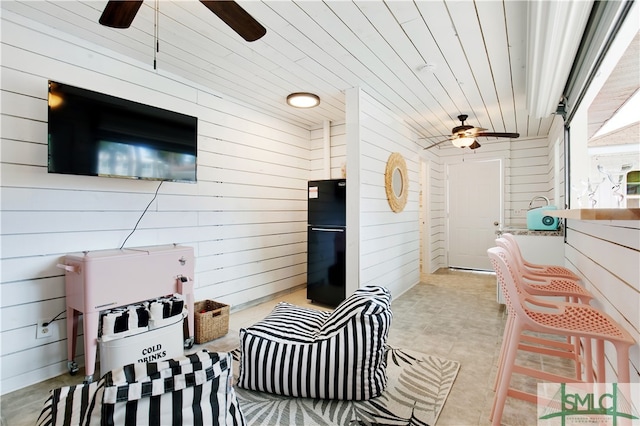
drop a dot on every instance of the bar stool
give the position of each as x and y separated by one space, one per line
546 284
540 285
535 268
564 319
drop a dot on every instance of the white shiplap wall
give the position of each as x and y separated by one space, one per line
389 242
528 172
245 218
337 153
605 254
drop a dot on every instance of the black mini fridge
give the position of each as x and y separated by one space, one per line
327 241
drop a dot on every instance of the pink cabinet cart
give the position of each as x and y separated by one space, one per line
105 279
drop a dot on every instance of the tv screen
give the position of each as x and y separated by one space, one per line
95 134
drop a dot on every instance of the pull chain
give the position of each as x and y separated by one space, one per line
156 42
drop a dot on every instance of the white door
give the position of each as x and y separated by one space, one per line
474 206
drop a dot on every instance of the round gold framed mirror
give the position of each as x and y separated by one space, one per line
396 182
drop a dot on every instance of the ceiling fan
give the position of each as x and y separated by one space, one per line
120 14
464 135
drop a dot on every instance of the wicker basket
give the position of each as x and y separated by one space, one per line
211 320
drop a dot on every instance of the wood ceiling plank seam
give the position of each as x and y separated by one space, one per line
367 60
536 125
321 45
287 51
389 29
446 41
515 17
309 72
172 50
527 131
469 34
141 35
437 19
175 58
443 76
177 27
497 48
272 84
224 86
64 27
399 41
301 81
198 19
329 93
332 79
545 125
244 68
343 67
367 35
497 52
361 75
60 53
79 31
202 29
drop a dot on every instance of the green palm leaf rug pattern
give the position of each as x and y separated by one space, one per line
417 388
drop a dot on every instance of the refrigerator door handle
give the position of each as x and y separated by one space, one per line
328 229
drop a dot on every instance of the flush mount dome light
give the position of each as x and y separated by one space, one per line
303 100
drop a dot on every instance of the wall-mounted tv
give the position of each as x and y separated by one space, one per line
95 134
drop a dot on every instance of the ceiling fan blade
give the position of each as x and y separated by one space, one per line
119 14
436 144
499 135
237 18
475 145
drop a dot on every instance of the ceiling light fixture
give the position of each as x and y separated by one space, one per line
303 100
463 142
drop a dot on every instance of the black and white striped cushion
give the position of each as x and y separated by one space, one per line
190 390
305 352
73 405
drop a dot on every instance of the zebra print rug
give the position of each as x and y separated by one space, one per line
418 385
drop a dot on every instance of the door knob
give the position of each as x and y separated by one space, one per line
496 223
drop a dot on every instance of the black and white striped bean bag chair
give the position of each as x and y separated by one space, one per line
189 390
304 352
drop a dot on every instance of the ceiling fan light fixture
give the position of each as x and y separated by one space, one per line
463 142
303 100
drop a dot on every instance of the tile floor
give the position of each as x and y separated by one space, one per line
452 314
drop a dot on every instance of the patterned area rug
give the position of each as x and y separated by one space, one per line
418 385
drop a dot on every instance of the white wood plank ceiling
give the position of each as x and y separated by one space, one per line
428 61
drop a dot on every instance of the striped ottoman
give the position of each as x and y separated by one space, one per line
304 352
193 390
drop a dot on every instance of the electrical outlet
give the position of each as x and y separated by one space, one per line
42 331
518 213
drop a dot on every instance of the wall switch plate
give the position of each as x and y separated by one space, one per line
42 331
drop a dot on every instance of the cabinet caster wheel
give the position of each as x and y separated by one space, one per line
73 367
188 343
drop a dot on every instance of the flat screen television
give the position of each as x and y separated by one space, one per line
95 134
